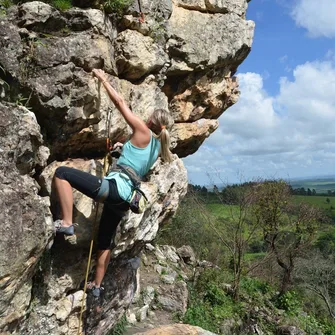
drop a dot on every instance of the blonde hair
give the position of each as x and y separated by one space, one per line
162 123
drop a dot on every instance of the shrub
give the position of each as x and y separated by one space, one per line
254 286
209 304
115 6
62 5
290 302
6 3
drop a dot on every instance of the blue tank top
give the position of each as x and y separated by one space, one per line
139 159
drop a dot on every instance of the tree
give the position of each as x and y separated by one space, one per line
288 230
317 274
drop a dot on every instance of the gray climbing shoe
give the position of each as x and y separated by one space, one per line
67 231
95 291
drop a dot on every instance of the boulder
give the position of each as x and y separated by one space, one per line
209 40
187 254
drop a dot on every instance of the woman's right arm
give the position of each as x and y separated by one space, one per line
138 126
133 120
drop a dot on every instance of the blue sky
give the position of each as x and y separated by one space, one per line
284 123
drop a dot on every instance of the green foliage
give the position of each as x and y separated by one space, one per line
121 327
116 6
290 302
253 286
191 227
326 242
319 202
209 304
6 4
62 5
199 314
328 327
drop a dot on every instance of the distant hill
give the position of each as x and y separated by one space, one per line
320 184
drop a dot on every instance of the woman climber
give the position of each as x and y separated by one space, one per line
147 142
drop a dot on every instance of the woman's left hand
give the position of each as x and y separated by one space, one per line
100 74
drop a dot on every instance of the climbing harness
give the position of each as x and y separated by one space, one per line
105 168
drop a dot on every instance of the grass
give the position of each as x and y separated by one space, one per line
121 327
222 210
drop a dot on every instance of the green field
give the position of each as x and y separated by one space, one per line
319 185
226 211
221 210
317 201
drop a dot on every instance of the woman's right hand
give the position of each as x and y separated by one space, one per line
100 74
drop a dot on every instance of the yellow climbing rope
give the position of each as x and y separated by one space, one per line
88 269
105 169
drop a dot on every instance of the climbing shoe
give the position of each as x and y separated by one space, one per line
96 292
68 232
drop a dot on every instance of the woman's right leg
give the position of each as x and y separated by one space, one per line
66 178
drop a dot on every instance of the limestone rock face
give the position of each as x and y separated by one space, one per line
182 58
26 225
137 55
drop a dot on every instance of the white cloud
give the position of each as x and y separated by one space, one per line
317 16
290 134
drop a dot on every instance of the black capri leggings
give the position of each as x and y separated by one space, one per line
114 206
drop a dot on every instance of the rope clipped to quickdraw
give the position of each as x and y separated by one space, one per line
105 168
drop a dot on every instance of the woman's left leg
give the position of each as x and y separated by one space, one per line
113 211
110 219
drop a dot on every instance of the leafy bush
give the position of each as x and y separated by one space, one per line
254 286
209 303
6 3
199 314
326 242
62 5
115 6
290 302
